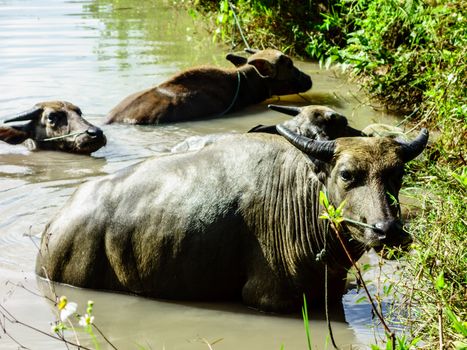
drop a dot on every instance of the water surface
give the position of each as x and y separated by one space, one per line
94 53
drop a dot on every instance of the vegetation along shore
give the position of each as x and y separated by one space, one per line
410 56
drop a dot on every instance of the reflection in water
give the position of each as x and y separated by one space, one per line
94 53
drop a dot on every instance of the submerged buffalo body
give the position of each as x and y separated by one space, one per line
208 92
54 125
238 219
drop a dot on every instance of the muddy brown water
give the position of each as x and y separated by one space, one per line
94 53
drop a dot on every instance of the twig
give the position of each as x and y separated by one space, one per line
3 326
367 292
103 336
12 319
440 326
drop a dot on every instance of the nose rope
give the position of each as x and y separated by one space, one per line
373 227
234 98
63 136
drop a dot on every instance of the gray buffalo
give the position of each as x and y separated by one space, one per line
54 125
235 220
208 92
314 121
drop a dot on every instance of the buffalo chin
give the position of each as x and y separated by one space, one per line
88 145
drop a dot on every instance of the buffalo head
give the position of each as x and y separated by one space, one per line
54 125
316 122
276 69
366 173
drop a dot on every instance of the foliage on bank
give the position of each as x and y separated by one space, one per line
410 55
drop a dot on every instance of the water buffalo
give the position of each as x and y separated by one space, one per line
235 220
208 92
313 121
316 122
54 125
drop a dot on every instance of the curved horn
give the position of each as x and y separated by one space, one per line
250 50
412 149
289 110
26 115
322 150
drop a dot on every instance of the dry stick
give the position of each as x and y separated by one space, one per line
55 301
359 273
3 326
52 291
440 326
103 336
12 319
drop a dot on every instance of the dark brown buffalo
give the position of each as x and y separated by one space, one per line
54 125
209 92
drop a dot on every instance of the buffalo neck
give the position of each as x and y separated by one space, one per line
253 88
288 226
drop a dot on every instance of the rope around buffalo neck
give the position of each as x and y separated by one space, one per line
63 136
234 98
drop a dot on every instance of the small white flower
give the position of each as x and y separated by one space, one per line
86 320
66 308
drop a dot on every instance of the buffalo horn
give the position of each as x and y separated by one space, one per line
289 110
412 149
322 150
251 51
26 115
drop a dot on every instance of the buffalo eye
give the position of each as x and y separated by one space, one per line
345 175
54 117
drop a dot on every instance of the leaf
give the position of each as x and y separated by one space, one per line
460 345
306 322
389 344
323 199
360 300
440 284
340 208
458 325
387 289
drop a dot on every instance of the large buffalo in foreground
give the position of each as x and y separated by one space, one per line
54 125
237 219
209 92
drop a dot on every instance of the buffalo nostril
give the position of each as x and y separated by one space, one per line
388 228
94 132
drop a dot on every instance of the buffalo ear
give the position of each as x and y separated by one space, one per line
13 135
236 59
265 68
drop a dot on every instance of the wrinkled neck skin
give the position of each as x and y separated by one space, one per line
291 234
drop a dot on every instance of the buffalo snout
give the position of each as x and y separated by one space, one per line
95 132
391 233
90 141
304 81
